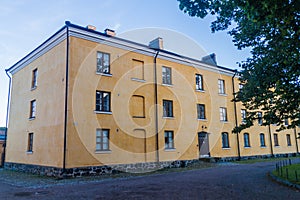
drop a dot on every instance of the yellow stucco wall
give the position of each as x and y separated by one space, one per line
48 124
131 139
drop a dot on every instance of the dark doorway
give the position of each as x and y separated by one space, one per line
203 144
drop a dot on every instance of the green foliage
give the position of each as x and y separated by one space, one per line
271 76
291 176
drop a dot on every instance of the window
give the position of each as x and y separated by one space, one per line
246 140
103 63
167 75
34 78
201 111
225 140
102 101
221 85
199 82
168 108
259 118
169 140
288 139
32 109
276 139
102 140
241 86
30 142
223 114
137 106
262 140
138 70
243 113
286 122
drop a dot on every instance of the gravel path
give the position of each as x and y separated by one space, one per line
227 181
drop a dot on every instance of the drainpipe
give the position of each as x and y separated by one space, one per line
7 116
271 144
296 140
156 105
66 101
235 116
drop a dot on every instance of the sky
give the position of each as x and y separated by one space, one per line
25 24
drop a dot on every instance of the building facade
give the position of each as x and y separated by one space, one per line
85 98
2 144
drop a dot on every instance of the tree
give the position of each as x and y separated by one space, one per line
271 76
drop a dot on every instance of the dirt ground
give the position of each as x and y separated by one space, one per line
221 181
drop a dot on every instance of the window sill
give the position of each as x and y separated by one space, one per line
203 120
104 74
170 150
263 147
276 146
167 85
103 112
247 147
31 118
226 148
29 152
33 88
225 122
168 117
103 152
200 91
138 80
224 95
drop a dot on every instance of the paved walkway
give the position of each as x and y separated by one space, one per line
245 181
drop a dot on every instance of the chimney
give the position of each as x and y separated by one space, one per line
157 43
91 27
110 32
210 59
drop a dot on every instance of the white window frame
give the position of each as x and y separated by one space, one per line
32 113
101 102
166 75
102 140
201 112
199 82
102 66
221 86
223 114
169 140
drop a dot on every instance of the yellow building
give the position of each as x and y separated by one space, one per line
85 99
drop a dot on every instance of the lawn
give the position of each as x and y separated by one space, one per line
251 161
290 173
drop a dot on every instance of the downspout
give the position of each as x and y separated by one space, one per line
297 148
66 101
235 116
156 105
271 144
7 117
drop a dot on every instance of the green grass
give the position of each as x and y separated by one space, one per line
289 175
251 161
